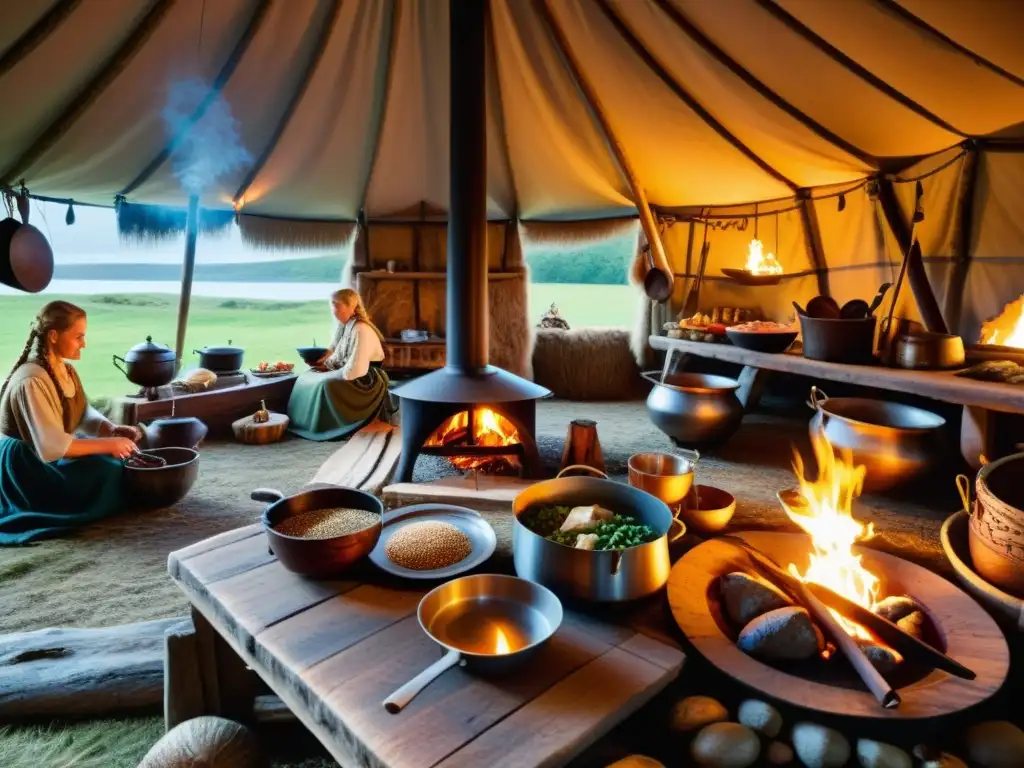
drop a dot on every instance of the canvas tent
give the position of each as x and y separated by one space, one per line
810 117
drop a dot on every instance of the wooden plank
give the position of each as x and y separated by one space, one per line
183 684
215 542
490 493
225 562
567 718
385 470
939 385
354 463
649 649
453 709
307 638
384 275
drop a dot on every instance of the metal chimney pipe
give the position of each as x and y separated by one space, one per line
468 316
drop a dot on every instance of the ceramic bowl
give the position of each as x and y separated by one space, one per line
707 509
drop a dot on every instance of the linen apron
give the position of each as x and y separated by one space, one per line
323 407
40 500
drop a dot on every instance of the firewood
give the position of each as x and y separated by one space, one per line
582 445
75 672
248 430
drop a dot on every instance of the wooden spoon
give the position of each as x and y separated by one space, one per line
799 310
823 307
854 309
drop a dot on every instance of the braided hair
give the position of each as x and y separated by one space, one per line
351 298
55 316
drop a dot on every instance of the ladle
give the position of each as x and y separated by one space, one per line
799 310
877 301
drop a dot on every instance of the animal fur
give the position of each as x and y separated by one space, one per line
273 234
511 337
564 233
586 364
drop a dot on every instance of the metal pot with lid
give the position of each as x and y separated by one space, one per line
148 364
221 359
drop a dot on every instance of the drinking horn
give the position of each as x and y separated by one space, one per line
26 259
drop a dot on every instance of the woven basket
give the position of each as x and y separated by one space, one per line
997 525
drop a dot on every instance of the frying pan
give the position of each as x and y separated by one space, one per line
464 617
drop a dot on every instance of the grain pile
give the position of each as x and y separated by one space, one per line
428 545
328 523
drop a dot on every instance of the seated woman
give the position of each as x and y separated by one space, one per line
52 479
348 388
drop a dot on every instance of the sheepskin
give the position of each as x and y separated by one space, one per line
272 234
510 335
586 364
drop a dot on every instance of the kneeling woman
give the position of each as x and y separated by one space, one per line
51 478
348 388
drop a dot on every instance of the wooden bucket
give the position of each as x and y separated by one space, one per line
997 524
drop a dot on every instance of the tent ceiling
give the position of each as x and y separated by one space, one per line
342 105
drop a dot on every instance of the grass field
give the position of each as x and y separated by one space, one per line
267 330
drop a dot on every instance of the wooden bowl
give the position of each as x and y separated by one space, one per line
1005 607
965 632
707 509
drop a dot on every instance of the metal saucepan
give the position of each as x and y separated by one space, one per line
489 622
318 558
610 575
928 351
666 475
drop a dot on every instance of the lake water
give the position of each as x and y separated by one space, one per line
279 291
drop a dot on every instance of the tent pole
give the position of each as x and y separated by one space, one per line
919 284
659 279
189 266
812 238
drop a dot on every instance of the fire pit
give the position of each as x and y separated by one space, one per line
763 637
959 627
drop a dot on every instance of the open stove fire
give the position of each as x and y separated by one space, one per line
490 430
828 517
1007 328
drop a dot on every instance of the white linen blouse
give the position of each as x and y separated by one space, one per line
355 346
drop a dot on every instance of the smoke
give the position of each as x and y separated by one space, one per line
211 147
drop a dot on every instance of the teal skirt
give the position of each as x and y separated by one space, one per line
323 407
41 501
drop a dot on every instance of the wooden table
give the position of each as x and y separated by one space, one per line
980 399
334 650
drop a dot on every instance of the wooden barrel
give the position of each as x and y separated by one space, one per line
997 525
26 259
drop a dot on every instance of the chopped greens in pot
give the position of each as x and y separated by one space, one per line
618 532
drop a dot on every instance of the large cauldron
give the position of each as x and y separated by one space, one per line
148 364
694 409
895 442
606 575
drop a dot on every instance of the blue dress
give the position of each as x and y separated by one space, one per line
40 499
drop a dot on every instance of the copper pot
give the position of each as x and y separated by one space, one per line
928 351
667 476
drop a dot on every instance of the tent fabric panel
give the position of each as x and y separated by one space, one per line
813 82
677 156
66 60
123 128
412 156
990 286
942 80
502 202
319 168
989 28
255 93
780 139
937 233
19 18
564 167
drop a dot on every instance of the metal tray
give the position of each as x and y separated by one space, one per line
481 537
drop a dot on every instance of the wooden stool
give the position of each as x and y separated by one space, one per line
248 430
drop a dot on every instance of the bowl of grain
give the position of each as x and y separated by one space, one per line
321 532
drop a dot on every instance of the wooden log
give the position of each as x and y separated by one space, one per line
366 460
71 672
183 685
582 445
485 493
248 430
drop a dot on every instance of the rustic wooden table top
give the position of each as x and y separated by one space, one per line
939 385
334 650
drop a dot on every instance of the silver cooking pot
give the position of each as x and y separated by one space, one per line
896 443
602 575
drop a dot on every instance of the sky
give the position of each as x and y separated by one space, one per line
93 239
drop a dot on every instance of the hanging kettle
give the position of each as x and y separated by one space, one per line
26 259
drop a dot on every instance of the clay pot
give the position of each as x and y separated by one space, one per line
179 432
997 526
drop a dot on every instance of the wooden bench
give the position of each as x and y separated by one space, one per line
980 399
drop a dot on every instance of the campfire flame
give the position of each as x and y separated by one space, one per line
828 518
501 642
1007 328
760 264
490 429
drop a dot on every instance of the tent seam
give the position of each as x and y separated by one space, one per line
852 66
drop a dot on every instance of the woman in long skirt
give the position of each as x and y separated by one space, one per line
60 458
348 388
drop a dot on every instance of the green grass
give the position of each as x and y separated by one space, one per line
317 269
267 330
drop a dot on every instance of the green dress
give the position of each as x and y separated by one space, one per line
324 405
43 499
